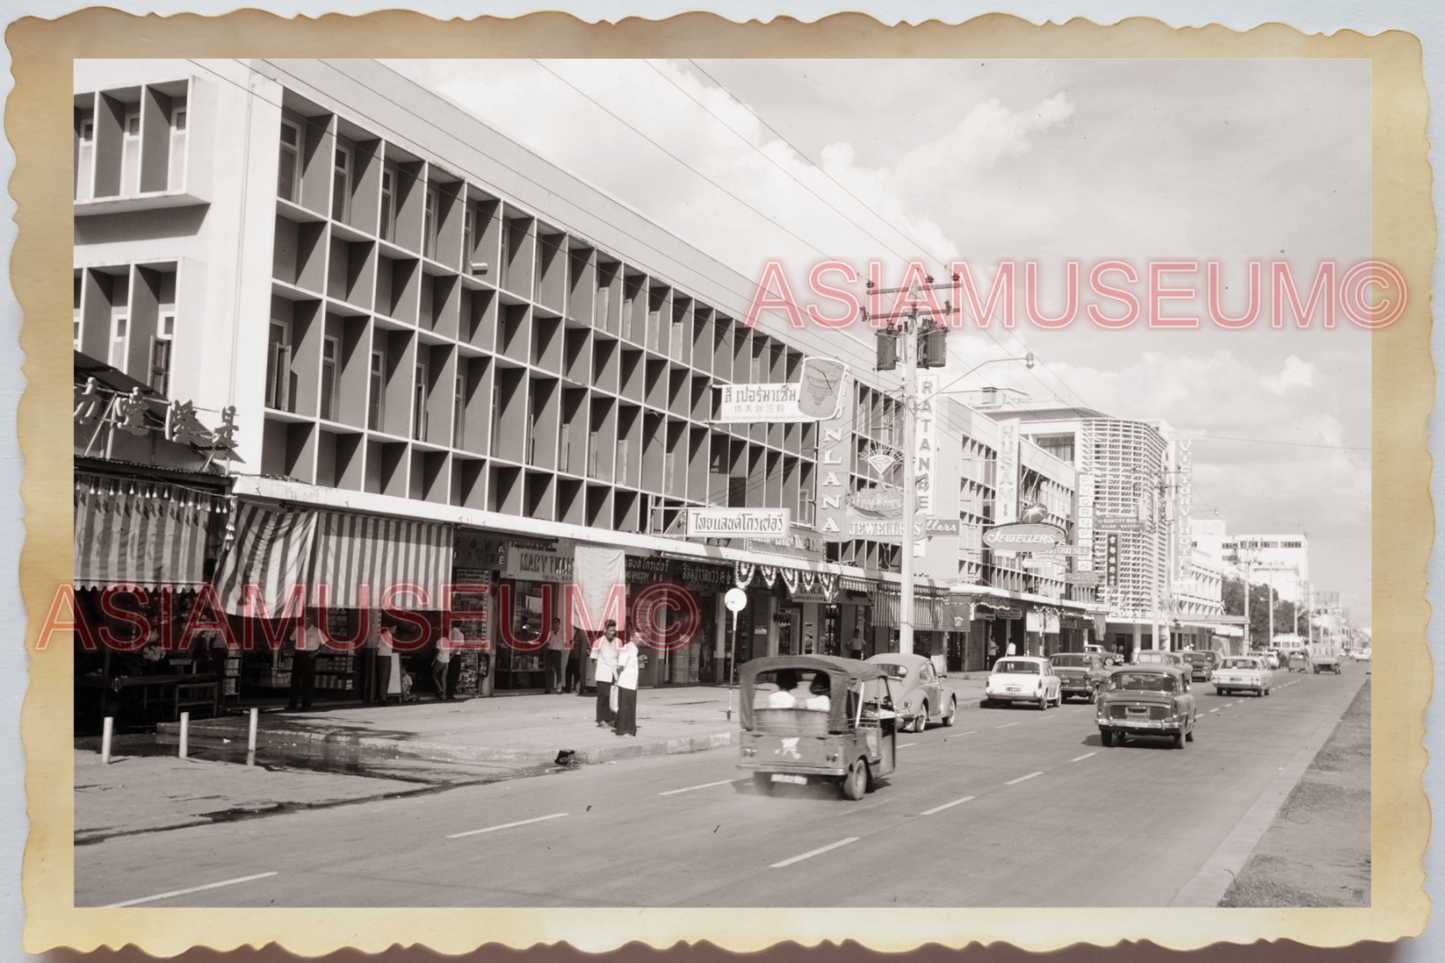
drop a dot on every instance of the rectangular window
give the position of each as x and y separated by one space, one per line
160 374
118 341
79 286
176 177
278 366
418 413
341 185
330 383
388 203
469 237
288 179
377 389
429 235
130 154
459 409
85 159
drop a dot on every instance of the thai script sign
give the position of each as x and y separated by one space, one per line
738 522
818 394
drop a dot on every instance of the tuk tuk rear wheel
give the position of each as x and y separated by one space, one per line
763 781
855 784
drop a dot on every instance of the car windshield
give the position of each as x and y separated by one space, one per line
1017 667
1241 664
1069 661
1199 657
1145 681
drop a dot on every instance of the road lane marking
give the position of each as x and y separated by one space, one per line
1006 725
1213 710
906 745
1022 778
490 829
939 809
706 785
183 892
968 733
815 852
1083 757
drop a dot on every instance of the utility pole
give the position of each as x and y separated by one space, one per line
910 471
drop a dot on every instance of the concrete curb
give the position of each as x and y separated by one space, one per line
329 743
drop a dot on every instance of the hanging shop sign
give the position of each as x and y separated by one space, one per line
1008 613
738 522
1119 523
139 413
818 394
538 564
1084 578
881 502
1083 545
1023 537
1006 489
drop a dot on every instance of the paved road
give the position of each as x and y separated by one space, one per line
1011 807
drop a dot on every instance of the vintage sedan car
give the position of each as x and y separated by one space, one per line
1147 700
925 698
1202 663
1080 673
1162 657
1243 673
1361 655
1022 678
1327 662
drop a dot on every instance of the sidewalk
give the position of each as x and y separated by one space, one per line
510 730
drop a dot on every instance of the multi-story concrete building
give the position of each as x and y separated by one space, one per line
427 336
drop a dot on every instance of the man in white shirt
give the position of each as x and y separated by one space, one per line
442 667
628 664
556 645
606 655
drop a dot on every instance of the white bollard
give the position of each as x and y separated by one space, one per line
251 737
185 733
106 727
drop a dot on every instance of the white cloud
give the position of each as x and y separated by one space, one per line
1296 374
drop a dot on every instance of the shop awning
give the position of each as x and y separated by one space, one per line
140 532
270 552
275 549
385 554
927 611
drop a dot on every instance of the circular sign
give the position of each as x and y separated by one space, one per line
736 600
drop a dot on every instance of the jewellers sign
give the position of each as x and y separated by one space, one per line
1024 537
738 522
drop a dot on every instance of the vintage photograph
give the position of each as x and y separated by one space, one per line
694 483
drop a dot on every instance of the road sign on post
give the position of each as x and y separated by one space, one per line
736 600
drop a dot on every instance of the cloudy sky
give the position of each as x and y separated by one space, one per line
1049 161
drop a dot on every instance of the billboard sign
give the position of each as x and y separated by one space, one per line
817 395
738 522
1024 537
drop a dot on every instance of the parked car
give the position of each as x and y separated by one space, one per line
1299 660
1202 664
1022 678
1147 700
1327 662
1243 673
1270 658
1080 673
1361 655
925 699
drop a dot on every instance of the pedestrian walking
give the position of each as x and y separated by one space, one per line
554 656
606 655
306 642
441 665
628 664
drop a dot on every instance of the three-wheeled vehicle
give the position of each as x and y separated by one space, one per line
817 718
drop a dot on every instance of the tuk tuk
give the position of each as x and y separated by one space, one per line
817 718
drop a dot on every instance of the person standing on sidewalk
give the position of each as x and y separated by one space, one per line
627 666
306 641
442 665
855 646
574 662
553 657
458 640
606 671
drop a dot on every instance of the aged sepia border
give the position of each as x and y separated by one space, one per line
1404 232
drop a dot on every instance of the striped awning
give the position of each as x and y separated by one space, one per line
927 611
140 532
384 555
333 555
269 555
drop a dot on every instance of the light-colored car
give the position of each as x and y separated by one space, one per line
1269 658
1147 700
1243 673
1361 655
1080 673
1161 657
1023 678
1326 662
925 698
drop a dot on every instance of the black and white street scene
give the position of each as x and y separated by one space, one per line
711 483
